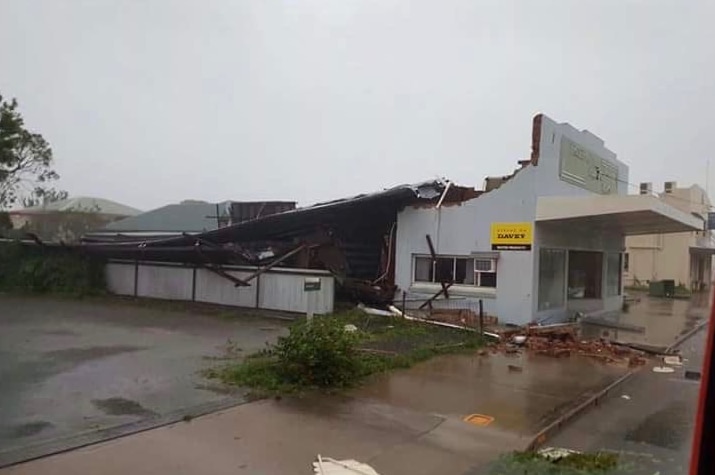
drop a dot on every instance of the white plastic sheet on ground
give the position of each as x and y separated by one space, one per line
330 466
556 453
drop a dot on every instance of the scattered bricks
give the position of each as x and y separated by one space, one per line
561 342
636 361
620 350
561 353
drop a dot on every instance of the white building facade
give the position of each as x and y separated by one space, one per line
544 243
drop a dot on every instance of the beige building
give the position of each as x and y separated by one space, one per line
685 257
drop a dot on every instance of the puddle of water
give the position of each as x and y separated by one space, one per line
661 319
118 406
459 385
80 355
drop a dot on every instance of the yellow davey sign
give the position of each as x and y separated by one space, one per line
512 236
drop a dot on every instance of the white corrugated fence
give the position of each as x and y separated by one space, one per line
276 289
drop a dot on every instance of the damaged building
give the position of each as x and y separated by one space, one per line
539 244
352 240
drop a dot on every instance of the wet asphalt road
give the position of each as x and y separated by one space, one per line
74 372
654 426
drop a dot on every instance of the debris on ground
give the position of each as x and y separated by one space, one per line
663 369
330 466
515 369
556 453
519 339
555 461
626 397
562 341
676 360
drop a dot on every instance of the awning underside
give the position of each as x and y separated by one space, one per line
627 215
703 251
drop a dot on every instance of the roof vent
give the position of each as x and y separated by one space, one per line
669 186
646 189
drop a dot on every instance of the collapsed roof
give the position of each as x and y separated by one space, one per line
351 237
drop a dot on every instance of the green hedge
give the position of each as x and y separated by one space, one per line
30 268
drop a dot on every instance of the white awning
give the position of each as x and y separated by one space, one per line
628 214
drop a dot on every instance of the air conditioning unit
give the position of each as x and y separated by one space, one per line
646 188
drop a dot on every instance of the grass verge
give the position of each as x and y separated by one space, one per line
324 355
533 463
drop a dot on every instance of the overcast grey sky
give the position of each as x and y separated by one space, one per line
151 102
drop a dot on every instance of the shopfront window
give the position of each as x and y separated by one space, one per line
585 274
552 278
457 270
613 274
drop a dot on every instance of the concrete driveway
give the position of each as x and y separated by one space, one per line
74 372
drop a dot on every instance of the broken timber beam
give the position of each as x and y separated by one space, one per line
239 258
217 269
275 263
431 299
444 285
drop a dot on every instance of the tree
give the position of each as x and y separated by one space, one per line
43 196
68 225
25 157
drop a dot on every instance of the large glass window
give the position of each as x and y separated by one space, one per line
613 274
552 278
585 274
457 270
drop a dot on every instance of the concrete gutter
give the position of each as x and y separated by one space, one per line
552 429
686 335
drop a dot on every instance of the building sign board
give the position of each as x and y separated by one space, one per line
585 169
512 236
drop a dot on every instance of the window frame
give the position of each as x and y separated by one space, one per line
477 273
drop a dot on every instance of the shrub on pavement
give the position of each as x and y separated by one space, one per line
318 353
322 354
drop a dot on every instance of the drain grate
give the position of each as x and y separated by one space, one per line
479 419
